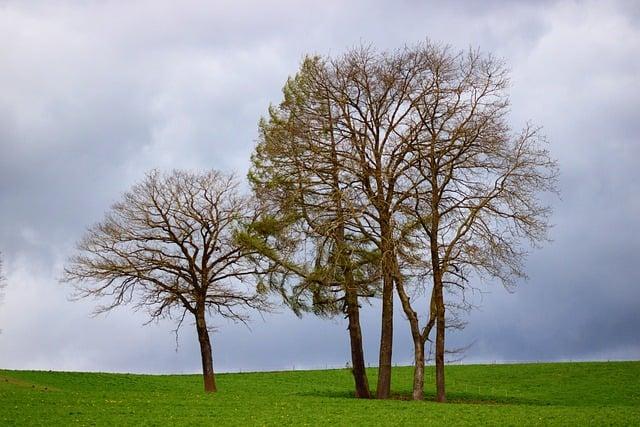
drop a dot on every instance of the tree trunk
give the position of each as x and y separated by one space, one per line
205 353
351 292
357 353
438 291
418 370
386 333
418 338
440 328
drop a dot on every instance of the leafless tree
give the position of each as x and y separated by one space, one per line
169 245
358 124
369 113
478 184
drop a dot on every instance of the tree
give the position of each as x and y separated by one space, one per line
356 121
371 97
169 244
363 104
297 178
477 196
427 171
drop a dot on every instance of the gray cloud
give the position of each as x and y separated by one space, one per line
94 94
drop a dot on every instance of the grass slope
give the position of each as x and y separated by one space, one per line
527 394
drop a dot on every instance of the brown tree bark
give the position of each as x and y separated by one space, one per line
418 370
440 330
205 353
386 333
350 289
386 340
419 337
357 353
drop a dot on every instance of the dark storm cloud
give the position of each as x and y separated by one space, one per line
95 93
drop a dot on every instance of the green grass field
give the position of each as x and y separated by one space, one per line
524 394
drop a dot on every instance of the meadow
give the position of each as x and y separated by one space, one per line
598 393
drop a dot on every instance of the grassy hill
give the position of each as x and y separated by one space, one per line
524 394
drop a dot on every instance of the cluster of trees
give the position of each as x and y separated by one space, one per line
379 174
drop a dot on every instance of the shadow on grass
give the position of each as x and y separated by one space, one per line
488 399
452 398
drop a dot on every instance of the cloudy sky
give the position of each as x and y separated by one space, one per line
94 93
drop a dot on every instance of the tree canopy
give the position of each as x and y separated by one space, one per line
406 156
169 245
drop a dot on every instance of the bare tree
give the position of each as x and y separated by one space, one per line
356 128
366 99
169 245
477 197
371 97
